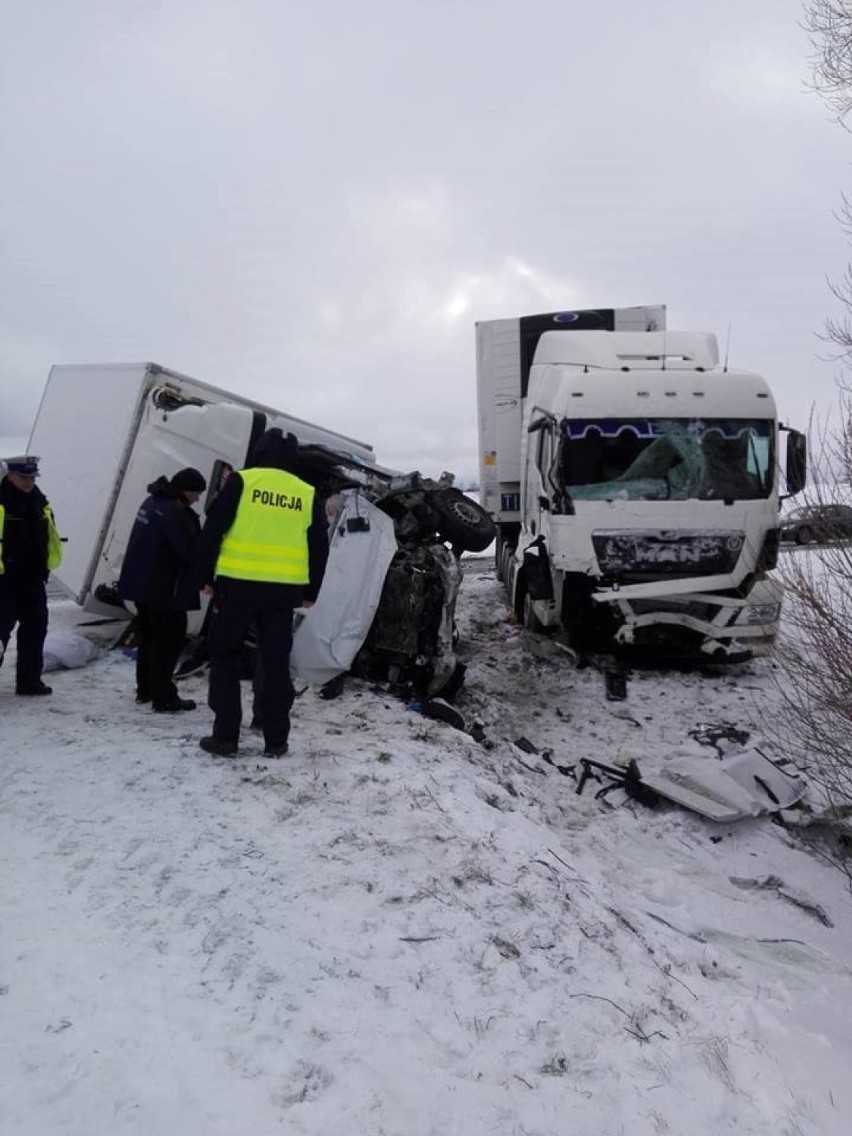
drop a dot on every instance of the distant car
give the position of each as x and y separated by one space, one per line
820 523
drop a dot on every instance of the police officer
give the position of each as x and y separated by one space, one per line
29 549
159 575
264 549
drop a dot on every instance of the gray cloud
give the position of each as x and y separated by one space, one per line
313 204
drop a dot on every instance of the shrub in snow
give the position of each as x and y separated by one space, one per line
815 652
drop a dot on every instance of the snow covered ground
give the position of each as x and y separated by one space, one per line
399 931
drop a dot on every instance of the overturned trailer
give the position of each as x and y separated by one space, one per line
105 432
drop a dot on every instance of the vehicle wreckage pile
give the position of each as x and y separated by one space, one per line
387 606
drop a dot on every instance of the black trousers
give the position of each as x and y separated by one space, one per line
160 635
236 604
24 603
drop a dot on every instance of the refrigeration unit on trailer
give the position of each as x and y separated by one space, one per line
634 482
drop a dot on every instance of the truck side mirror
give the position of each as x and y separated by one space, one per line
797 462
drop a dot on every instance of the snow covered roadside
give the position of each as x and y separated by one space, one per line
399 931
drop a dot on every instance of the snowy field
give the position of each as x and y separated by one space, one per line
399 931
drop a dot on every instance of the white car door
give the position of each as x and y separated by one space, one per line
329 635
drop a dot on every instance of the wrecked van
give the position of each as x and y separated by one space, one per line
393 574
386 609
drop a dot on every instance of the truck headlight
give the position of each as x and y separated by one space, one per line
759 613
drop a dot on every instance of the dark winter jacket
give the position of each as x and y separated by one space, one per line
272 451
160 562
24 534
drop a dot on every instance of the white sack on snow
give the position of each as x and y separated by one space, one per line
67 649
331 633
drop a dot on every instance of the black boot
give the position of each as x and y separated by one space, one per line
275 750
218 747
173 705
37 687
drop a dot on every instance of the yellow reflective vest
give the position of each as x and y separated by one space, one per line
268 540
54 546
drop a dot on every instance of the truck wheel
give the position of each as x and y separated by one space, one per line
498 557
804 535
506 566
462 521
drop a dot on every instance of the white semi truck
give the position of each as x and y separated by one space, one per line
635 484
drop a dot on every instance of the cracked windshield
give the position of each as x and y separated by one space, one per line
656 459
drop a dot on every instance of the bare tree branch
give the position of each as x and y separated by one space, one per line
829 25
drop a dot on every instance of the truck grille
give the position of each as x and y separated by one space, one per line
662 554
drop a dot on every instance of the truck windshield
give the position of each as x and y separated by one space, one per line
656 459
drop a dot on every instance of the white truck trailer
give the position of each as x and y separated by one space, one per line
634 483
106 431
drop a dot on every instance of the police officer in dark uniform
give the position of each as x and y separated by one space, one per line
29 549
159 575
264 550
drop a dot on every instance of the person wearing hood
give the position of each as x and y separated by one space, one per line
263 554
29 548
159 576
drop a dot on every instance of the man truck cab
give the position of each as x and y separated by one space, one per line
643 518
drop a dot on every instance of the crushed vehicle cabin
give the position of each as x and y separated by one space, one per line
635 484
394 569
388 604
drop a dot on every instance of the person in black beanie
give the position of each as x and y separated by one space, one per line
159 576
29 548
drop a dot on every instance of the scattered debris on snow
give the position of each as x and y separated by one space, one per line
405 927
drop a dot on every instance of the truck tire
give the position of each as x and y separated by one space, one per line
804 535
461 521
498 556
506 566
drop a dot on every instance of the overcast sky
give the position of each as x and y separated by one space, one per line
312 203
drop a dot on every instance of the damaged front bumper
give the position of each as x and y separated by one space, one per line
710 625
